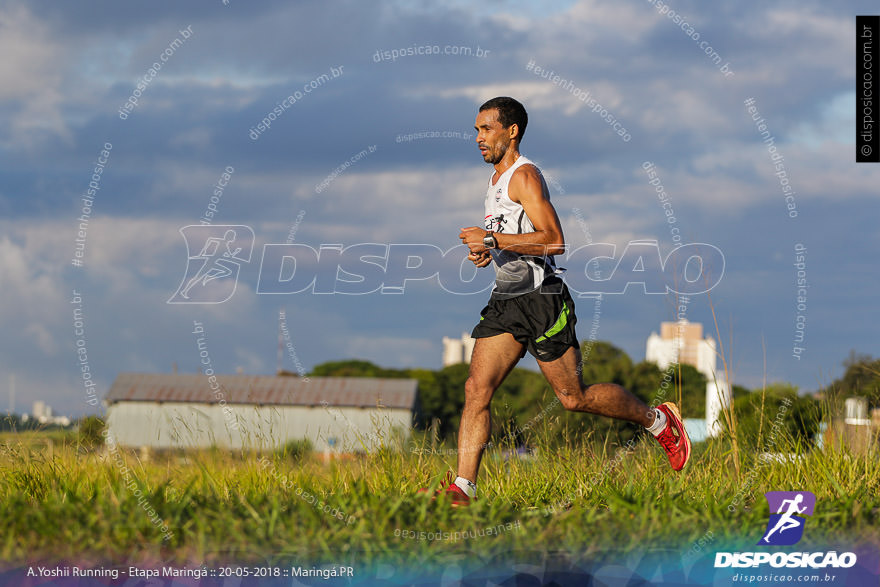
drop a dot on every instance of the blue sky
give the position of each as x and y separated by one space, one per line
67 70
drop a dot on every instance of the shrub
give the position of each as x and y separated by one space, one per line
90 429
296 449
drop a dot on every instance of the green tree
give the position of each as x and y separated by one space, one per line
693 392
644 380
740 391
605 363
522 402
765 419
354 368
860 379
445 400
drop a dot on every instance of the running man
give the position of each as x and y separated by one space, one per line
530 308
787 521
216 261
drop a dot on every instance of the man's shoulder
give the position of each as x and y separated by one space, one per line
527 176
525 162
527 168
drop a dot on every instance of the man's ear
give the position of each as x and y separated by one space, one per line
514 130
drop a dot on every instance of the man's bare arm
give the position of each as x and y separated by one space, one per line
526 188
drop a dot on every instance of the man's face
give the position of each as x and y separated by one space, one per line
492 138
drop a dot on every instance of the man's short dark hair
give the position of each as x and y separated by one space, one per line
509 112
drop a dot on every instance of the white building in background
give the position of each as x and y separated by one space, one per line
338 414
856 413
42 413
457 350
683 342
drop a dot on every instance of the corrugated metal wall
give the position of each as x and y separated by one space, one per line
199 425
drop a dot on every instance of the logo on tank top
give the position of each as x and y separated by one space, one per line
495 223
498 195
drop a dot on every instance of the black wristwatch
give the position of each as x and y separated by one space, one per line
489 241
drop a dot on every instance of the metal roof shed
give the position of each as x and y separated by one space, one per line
254 411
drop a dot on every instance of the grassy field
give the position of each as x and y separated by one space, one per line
62 502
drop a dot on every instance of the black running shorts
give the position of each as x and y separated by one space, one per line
542 320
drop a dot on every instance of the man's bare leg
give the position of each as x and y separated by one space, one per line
604 399
493 358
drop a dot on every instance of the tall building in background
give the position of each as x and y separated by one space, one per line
457 350
43 415
683 342
42 411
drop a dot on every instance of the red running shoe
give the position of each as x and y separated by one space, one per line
453 493
457 497
674 438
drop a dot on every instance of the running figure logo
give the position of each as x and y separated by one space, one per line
496 223
786 526
212 275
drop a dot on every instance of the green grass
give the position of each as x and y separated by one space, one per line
69 503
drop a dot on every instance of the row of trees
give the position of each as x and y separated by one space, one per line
15 423
86 431
861 378
525 405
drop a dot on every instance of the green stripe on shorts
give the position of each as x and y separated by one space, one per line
560 324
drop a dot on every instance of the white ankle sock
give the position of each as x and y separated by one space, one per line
470 489
659 423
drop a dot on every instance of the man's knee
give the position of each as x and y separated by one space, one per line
476 394
577 398
571 399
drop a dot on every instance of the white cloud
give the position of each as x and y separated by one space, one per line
31 75
397 206
44 339
31 296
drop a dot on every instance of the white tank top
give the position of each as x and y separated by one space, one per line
515 274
